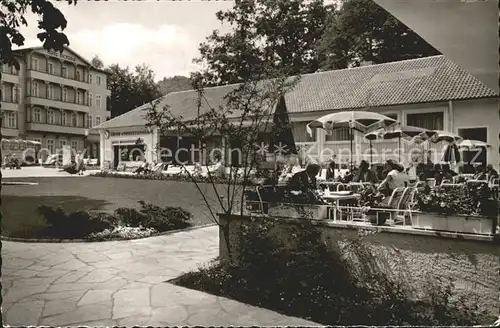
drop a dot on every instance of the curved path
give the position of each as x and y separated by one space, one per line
119 283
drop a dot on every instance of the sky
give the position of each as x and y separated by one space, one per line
163 34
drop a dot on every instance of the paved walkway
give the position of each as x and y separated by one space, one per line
38 171
119 283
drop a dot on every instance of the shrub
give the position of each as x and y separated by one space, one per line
155 217
170 177
307 278
74 225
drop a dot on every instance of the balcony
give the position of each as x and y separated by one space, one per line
37 101
53 128
57 79
9 132
11 106
10 78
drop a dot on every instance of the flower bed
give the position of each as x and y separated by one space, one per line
170 177
464 209
124 223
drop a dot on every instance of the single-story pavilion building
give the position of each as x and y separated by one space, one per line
432 93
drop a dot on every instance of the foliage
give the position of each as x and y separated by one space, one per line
280 33
99 225
370 198
361 30
472 200
302 37
174 84
75 225
97 62
155 217
12 16
130 88
171 177
122 233
304 276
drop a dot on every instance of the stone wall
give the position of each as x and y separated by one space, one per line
473 262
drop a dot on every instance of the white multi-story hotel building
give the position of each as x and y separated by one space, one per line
54 98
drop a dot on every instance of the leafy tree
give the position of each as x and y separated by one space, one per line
361 30
281 33
130 89
174 84
97 62
51 23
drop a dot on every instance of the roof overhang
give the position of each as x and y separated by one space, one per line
466 31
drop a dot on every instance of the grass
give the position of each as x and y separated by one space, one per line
19 203
21 220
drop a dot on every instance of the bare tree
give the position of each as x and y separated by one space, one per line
247 111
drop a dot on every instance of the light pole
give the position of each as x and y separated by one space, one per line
85 142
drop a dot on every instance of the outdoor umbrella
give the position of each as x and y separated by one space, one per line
282 141
408 131
445 136
373 136
361 121
469 145
472 144
452 154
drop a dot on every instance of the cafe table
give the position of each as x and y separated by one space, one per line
334 198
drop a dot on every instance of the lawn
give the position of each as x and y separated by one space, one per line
19 203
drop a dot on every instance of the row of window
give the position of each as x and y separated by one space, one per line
64 97
64 72
67 119
430 121
51 144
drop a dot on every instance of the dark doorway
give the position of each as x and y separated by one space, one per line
116 156
185 154
168 147
477 156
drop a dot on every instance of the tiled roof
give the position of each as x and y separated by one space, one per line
429 79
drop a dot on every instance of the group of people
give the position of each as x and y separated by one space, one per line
77 165
385 178
12 162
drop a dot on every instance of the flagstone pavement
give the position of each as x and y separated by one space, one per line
119 283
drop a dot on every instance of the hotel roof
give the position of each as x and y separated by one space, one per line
423 80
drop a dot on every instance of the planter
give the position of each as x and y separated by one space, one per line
454 223
298 211
377 218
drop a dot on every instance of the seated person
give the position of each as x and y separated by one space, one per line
364 173
305 180
379 173
349 177
479 172
330 171
447 172
142 168
422 184
491 172
396 178
438 173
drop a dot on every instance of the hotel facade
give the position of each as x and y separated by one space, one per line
432 93
54 98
